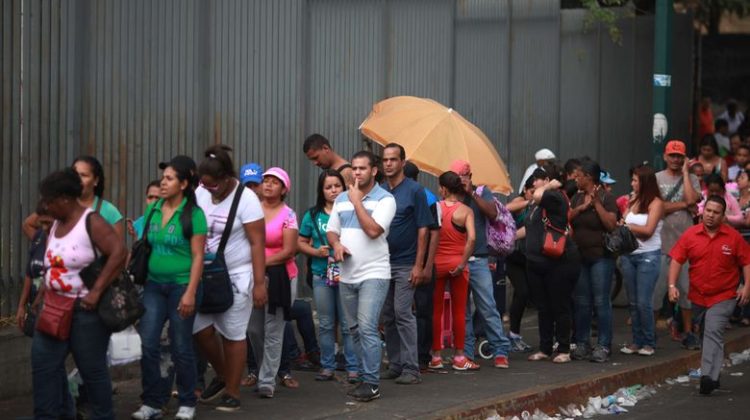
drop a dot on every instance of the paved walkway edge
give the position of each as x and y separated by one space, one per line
549 398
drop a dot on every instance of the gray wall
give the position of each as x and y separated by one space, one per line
139 81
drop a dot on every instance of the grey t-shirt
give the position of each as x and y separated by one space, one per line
677 223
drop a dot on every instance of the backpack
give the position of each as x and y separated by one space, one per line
501 232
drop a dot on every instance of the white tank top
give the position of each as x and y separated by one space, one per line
651 244
65 258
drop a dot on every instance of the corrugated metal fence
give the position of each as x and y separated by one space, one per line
139 81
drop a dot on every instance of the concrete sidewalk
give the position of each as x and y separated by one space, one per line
525 386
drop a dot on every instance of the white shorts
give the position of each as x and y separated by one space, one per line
231 324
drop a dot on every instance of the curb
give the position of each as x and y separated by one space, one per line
549 398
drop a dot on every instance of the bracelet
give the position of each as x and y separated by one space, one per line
672 286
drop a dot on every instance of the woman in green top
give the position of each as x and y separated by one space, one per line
177 234
313 243
92 179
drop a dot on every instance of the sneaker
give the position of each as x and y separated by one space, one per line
501 362
265 392
708 385
629 349
691 342
646 351
436 363
213 391
517 345
600 354
389 374
464 363
185 413
581 352
365 392
228 404
408 378
146 413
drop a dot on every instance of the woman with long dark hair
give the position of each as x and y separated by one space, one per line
640 269
710 159
593 214
313 243
177 234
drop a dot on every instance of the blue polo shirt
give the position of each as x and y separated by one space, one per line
412 213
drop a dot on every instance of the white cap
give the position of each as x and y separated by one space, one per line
544 154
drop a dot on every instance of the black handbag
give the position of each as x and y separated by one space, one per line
119 305
218 294
620 241
139 255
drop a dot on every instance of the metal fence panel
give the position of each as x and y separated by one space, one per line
580 60
137 82
534 82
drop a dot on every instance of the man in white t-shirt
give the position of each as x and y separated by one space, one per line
357 232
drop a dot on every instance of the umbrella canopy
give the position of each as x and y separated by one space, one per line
434 136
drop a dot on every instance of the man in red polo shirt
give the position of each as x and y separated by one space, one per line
714 251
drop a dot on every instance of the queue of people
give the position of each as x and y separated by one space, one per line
382 250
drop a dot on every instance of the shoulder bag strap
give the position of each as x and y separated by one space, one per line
230 219
144 235
674 190
88 232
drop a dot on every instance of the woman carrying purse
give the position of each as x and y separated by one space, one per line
68 321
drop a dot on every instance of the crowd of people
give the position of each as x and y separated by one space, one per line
381 252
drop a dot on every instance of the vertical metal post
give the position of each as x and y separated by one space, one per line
662 77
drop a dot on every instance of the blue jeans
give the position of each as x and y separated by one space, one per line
481 287
640 272
328 304
593 292
161 301
88 343
362 303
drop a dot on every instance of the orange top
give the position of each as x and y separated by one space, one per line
452 241
706 119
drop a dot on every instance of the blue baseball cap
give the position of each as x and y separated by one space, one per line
604 178
251 172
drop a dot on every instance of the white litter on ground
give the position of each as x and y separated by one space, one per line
617 402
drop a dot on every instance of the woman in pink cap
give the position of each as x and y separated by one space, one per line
281 273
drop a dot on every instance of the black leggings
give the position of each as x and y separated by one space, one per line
551 284
517 275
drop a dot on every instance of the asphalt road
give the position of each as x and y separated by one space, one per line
684 402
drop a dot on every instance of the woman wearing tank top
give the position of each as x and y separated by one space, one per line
640 268
456 245
70 249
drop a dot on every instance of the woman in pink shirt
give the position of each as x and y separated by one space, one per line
281 274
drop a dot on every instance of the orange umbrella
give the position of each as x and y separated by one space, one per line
434 136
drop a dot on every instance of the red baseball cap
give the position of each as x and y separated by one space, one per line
675 147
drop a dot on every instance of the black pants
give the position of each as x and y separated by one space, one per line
423 305
517 275
551 285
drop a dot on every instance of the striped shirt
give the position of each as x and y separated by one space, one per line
369 258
